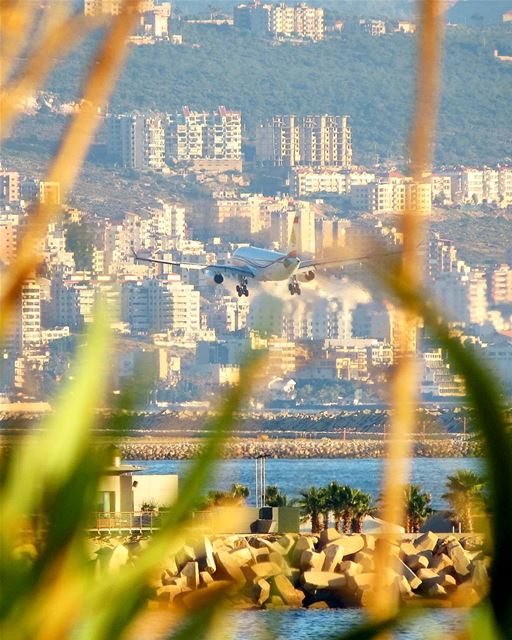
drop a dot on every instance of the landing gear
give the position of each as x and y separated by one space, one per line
242 289
294 287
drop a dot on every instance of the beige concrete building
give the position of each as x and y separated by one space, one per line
195 135
112 7
392 196
301 20
288 141
136 141
500 284
9 186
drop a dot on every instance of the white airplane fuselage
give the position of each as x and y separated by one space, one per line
267 265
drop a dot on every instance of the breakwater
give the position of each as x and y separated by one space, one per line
328 570
181 449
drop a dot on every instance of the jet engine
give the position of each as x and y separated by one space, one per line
306 277
214 277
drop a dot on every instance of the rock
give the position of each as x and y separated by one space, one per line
168 593
313 580
321 604
369 542
461 563
287 541
402 569
480 577
349 568
448 582
426 542
404 586
190 575
286 591
118 558
365 559
203 550
312 560
388 547
262 588
276 602
303 544
333 557
171 567
416 562
407 549
261 555
205 578
263 570
244 557
228 566
441 561
465 596
277 558
435 590
351 543
328 535
427 574
184 555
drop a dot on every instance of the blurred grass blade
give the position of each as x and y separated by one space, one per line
125 587
71 153
16 19
61 39
484 393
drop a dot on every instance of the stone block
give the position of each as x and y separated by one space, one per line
263 570
243 556
320 604
190 575
118 559
441 561
228 567
333 557
167 593
314 580
427 574
312 560
203 550
328 535
303 544
426 542
435 590
402 569
184 555
262 588
349 568
461 562
205 578
351 543
282 587
365 559
287 541
416 562
407 549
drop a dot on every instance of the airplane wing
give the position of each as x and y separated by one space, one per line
309 264
219 268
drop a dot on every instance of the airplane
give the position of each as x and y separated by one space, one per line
261 265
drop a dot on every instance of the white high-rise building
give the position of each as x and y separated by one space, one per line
288 141
137 141
462 295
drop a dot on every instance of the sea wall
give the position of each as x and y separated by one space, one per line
314 571
181 449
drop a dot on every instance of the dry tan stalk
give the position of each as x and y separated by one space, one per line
404 383
71 153
58 42
16 20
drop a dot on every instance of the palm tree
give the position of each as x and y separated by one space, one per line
310 503
274 498
239 492
339 496
361 506
417 507
465 493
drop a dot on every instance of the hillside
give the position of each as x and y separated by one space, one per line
372 79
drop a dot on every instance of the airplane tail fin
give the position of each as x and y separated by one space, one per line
294 237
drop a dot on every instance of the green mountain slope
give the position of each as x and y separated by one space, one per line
372 79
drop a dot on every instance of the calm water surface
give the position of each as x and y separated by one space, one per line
293 475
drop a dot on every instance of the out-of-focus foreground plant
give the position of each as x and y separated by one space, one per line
49 590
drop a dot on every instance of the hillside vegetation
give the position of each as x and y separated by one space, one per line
372 79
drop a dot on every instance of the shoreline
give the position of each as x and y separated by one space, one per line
248 448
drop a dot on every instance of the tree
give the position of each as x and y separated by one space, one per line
340 496
417 507
274 497
326 506
310 503
361 506
239 492
465 495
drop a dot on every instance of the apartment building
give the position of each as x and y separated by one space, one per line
375 28
193 135
9 186
288 141
49 192
476 185
252 16
392 196
136 141
301 20
462 294
281 225
500 285
95 8
162 304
